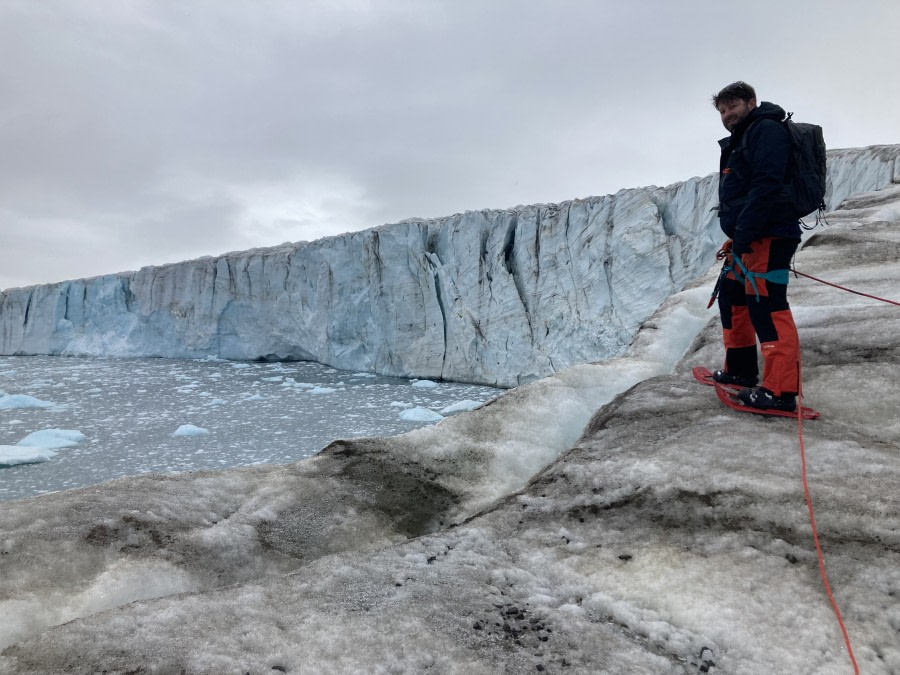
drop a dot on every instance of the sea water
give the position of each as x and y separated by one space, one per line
164 415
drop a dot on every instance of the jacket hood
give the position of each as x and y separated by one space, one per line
764 111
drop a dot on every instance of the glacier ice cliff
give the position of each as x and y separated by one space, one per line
497 297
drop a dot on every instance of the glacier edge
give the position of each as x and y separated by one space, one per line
497 297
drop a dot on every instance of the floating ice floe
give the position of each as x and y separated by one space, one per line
52 439
291 382
11 455
13 401
190 430
420 415
425 384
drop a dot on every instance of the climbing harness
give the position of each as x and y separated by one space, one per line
775 276
744 275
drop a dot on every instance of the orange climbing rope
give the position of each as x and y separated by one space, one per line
812 519
815 533
843 288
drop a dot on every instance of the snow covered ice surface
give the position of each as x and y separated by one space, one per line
552 530
142 415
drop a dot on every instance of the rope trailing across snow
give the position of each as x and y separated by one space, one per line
812 519
815 533
843 288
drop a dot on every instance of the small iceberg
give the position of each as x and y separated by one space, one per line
11 455
14 401
52 439
190 430
420 415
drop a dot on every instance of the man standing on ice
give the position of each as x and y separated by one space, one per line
757 215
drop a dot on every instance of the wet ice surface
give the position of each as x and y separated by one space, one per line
130 409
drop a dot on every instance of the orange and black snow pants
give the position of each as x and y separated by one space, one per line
761 312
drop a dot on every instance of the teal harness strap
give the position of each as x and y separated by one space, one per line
774 276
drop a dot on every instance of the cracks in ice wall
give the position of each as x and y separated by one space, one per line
608 257
511 264
573 305
668 228
127 295
537 249
376 259
435 265
439 298
27 311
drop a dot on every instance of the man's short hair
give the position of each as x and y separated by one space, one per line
735 90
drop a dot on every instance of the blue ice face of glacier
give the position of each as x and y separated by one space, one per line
498 297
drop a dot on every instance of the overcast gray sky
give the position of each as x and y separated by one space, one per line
137 133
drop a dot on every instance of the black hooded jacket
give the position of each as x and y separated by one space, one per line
753 199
